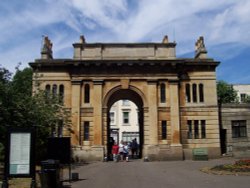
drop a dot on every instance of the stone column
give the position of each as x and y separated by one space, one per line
97 105
152 111
75 109
174 112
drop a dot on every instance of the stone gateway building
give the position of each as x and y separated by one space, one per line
176 97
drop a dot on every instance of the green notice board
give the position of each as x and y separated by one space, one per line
200 154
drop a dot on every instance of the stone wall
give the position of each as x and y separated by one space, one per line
236 146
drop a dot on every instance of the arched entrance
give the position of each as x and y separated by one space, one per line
125 94
176 112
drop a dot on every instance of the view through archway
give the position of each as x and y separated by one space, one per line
125 121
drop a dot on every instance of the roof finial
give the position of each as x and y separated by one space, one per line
165 39
46 51
200 49
82 39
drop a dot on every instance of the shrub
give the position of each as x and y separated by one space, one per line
243 162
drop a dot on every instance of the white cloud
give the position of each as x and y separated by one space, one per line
105 13
160 17
220 22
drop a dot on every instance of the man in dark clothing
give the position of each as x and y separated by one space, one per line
134 147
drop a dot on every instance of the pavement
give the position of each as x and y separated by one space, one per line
168 174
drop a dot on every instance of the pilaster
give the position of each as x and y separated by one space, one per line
174 112
97 119
152 109
75 109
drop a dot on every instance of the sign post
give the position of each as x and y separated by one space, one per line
20 155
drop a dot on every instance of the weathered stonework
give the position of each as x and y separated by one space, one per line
138 72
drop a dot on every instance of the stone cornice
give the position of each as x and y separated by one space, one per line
167 62
127 45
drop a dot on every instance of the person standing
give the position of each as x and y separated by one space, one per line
115 151
134 147
125 151
121 150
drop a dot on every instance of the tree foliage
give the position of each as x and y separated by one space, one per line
226 93
20 108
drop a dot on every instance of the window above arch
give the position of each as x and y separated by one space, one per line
86 93
162 93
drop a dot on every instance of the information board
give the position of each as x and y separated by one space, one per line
20 152
19 160
20 146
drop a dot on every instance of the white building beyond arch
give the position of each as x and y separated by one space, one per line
124 124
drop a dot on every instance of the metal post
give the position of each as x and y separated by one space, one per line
5 183
33 182
70 173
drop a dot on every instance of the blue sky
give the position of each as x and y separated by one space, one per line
225 25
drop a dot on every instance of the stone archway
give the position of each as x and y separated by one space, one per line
176 96
125 94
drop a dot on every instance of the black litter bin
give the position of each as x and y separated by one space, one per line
50 174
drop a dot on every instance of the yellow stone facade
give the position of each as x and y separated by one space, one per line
177 92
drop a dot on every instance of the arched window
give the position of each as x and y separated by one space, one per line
54 90
47 90
201 92
60 128
61 93
86 93
163 93
194 93
188 96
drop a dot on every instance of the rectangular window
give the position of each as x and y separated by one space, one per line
125 117
164 130
203 129
86 131
129 136
112 118
196 129
239 129
189 133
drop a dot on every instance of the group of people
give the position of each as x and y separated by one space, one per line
124 149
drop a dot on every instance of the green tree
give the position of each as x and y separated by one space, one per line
20 108
5 77
226 93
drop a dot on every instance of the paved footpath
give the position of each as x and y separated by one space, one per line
170 174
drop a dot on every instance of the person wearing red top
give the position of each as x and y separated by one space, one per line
115 149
